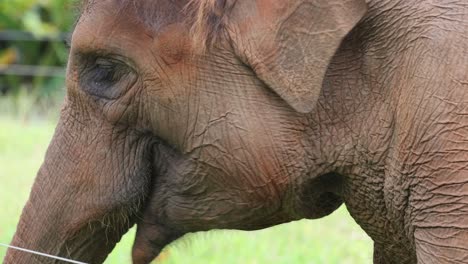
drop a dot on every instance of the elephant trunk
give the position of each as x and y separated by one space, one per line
48 233
86 194
53 222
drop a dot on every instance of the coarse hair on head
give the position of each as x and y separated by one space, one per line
208 20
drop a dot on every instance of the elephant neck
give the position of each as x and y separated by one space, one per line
367 125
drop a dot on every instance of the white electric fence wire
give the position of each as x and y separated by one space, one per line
42 254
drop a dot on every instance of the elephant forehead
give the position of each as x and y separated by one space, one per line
128 27
153 13
205 19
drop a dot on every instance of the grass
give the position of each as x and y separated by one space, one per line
334 239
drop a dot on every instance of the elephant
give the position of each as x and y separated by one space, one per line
191 115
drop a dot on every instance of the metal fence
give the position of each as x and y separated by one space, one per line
30 70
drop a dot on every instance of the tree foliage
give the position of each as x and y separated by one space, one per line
32 33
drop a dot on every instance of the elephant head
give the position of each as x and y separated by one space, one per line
193 114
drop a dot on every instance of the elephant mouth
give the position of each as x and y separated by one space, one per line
153 235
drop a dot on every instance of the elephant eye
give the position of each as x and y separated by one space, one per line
104 73
107 78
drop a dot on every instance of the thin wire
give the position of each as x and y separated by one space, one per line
31 70
16 35
42 254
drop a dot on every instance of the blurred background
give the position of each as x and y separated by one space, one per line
33 56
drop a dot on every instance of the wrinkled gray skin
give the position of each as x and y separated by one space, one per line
298 107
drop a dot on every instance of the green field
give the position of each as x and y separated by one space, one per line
335 239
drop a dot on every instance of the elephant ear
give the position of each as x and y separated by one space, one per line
290 43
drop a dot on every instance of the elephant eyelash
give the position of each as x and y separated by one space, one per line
106 71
